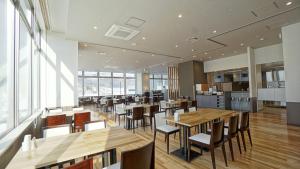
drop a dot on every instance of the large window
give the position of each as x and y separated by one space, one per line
92 83
6 66
158 81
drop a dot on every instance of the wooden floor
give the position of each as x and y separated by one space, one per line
275 145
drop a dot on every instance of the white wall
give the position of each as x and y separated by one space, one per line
263 55
291 51
59 71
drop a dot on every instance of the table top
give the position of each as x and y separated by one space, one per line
130 107
63 148
200 116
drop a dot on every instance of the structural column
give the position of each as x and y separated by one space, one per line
291 54
252 79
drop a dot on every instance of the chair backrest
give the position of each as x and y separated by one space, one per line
184 105
140 158
180 111
130 99
137 99
153 110
85 164
81 118
146 100
137 113
159 119
217 133
120 108
233 125
56 120
155 99
110 103
78 109
244 121
94 125
194 103
192 109
103 100
163 104
56 130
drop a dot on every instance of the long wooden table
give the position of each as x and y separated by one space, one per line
188 120
64 148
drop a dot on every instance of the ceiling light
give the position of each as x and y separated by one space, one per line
201 59
124 50
85 45
194 56
261 39
133 44
176 46
95 27
214 31
205 53
242 44
222 54
180 16
288 3
137 61
152 55
181 59
193 50
100 53
144 38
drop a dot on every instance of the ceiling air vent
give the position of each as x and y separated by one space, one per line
121 32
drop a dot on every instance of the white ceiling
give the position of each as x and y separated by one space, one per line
163 29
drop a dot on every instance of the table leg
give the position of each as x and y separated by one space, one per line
113 156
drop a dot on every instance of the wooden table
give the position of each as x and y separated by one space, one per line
76 145
188 120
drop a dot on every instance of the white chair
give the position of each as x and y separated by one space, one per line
192 109
94 125
57 131
137 99
120 111
78 109
180 111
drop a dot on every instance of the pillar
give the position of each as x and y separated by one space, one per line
252 79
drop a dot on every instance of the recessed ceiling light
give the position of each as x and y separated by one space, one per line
180 16
144 38
205 53
181 59
85 45
242 44
193 50
194 56
288 3
137 61
124 50
95 27
100 53
152 55
222 54
176 46
261 39
133 44
201 59
214 31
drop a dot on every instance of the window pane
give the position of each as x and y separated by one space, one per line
87 73
105 86
165 84
80 86
26 9
151 84
130 75
105 74
157 84
118 74
6 66
35 77
165 76
90 86
269 76
281 76
130 86
157 76
24 72
79 73
118 86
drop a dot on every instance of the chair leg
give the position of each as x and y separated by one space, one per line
231 149
144 124
180 137
212 153
224 154
238 141
249 135
168 143
189 151
151 123
119 120
243 140
133 127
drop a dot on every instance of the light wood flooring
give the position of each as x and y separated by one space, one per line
275 145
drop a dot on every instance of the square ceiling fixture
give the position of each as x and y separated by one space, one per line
135 22
121 32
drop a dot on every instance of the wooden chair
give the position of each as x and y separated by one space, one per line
56 120
154 100
194 103
146 100
231 132
109 104
120 111
245 127
140 158
137 114
153 109
184 105
80 119
216 139
85 164
56 130
161 127
94 125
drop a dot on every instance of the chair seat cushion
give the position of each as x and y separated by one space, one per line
167 128
202 138
147 114
114 166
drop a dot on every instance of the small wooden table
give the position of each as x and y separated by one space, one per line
188 120
76 145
